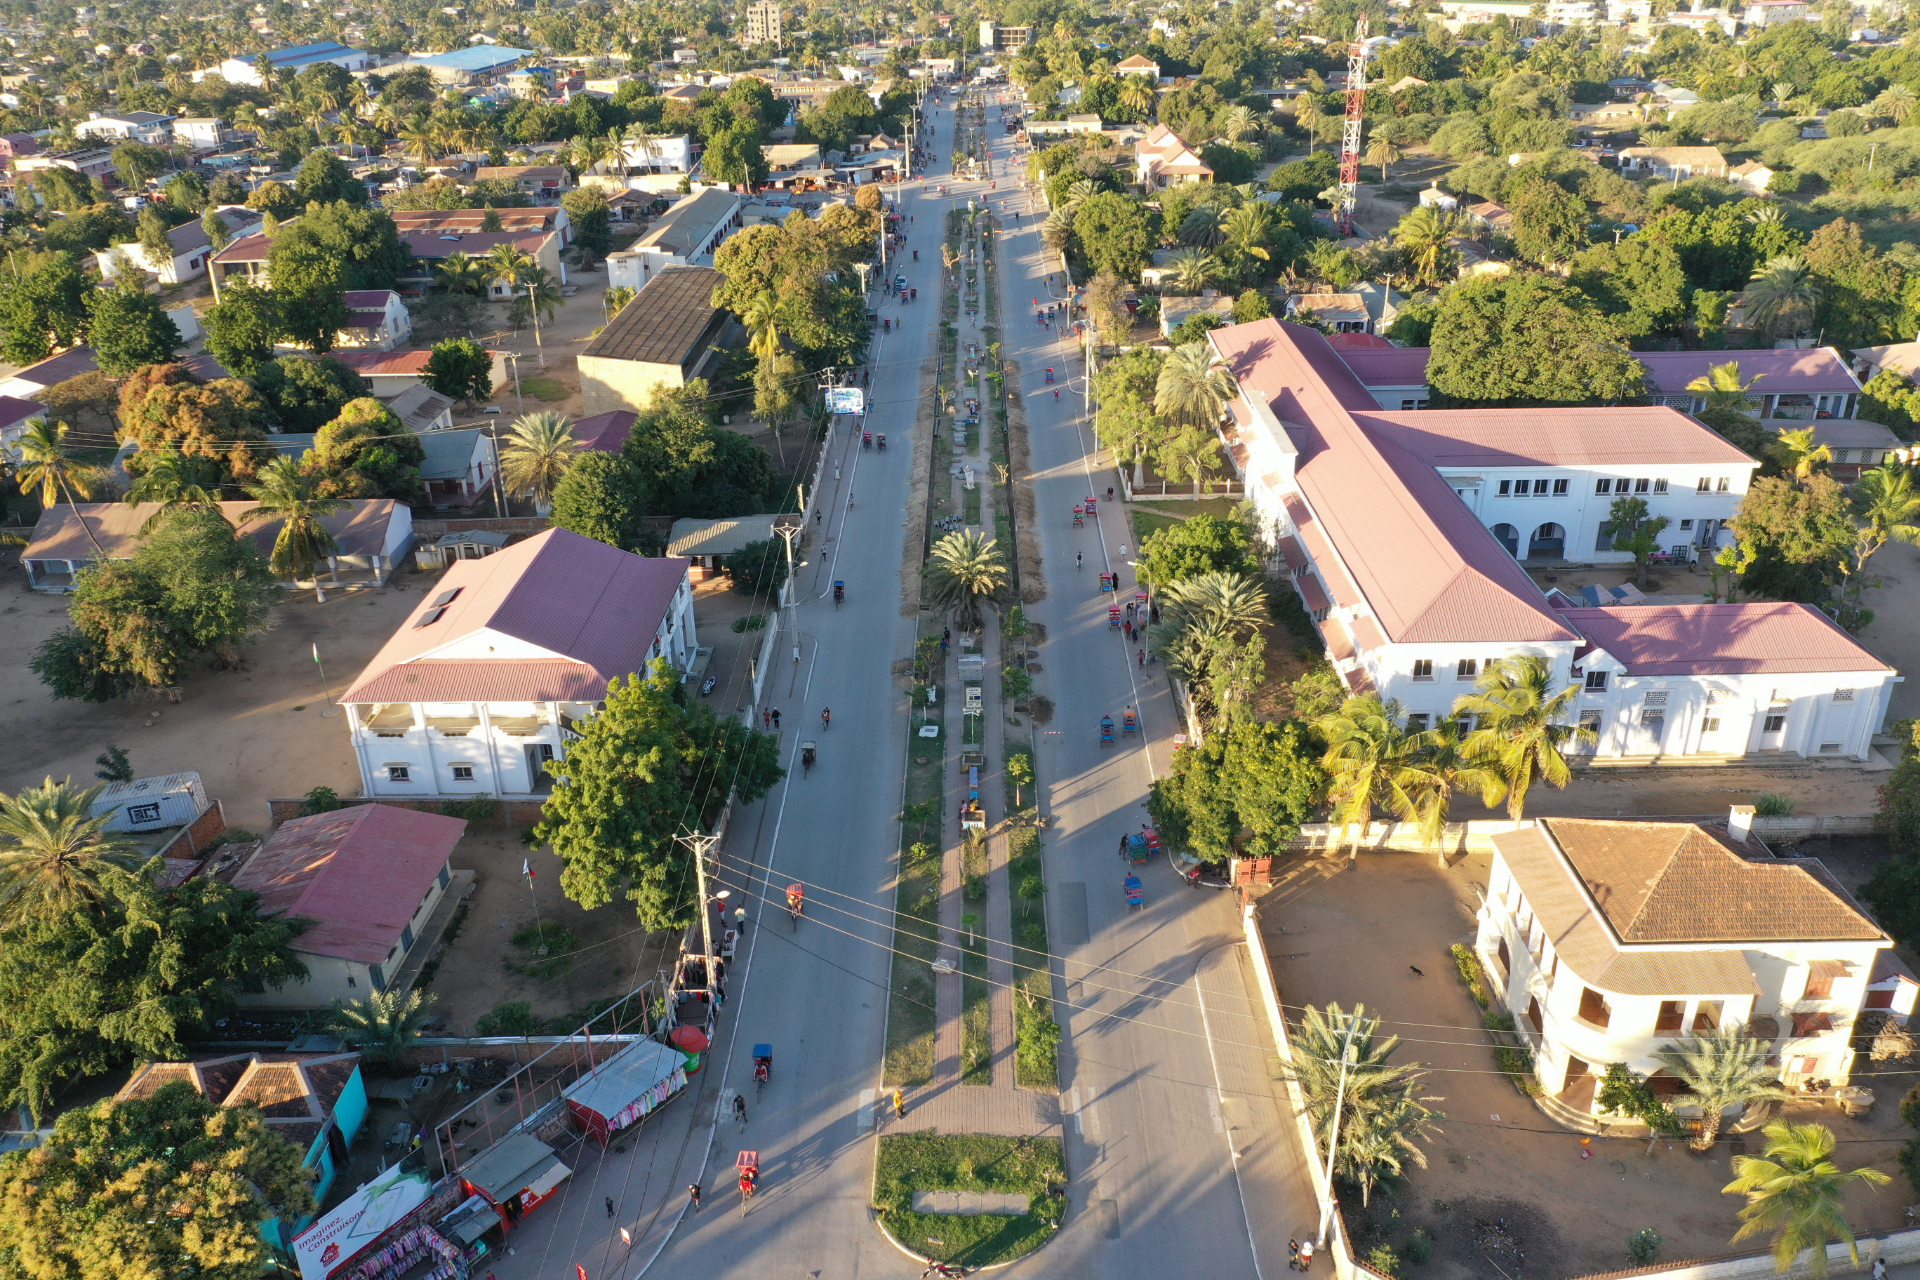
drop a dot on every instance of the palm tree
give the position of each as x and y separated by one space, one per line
1726 1068
1886 501
384 1023
1250 227
53 851
1237 122
1057 231
1205 226
1517 711
286 493
641 136
1723 389
1369 754
1138 96
514 268
1079 193
175 482
1896 102
47 464
1423 235
463 273
1192 270
421 140
1383 152
588 150
1782 90
763 331
1797 454
1795 1191
540 449
1440 769
1340 1065
964 572
1781 292
1218 601
1194 386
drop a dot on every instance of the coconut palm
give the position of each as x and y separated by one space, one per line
1781 90
762 328
385 1023
964 572
1442 769
53 850
1423 235
1079 193
1057 231
540 447
420 140
1236 123
515 268
1795 1190
1889 508
287 494
175 482
1340 1063
1250 228
1896 102
1191 270
1519 733
1797 453
1137 95
1781 293
1726 1068
1369 757
1194 386
1723 389
47 464
463 273
1205 226
588 150
1383 152
1227 603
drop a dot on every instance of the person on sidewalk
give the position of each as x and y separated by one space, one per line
740 1109
1293 1255
1306 1255
609 1206
899 1104
693 1195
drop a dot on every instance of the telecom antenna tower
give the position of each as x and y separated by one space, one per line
1350 135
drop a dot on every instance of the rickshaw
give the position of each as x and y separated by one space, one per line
1092 510
762 1066
1134 848
1128 724
1049 375
807 757
839 592
1113 616
866 440
1079 517
796 901
880 441
1136 892
1106 731
748 1163
1110 582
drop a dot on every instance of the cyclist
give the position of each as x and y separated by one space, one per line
826 717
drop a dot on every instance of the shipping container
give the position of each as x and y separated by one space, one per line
148 804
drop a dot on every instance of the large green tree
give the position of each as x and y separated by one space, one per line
1793 538
1200 545
129 329
1260 778
324 177
1113 233
366 452
1528 339
646 770
243 327
304 394
150 1188
328 250
46 308
460 369
167 407
602 498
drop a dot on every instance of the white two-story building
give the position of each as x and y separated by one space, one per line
1610 940
1401 531
492 675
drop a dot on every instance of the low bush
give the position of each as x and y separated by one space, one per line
478 809
1470 973
1384 1260
1643 1245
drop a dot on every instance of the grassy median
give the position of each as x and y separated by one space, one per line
910 1162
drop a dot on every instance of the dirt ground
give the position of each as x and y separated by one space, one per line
1498 1160
253 735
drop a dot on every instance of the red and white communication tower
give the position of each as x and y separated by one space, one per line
1350 135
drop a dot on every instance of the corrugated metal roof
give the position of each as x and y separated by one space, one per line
360 528
481 680
1722 639
717 537
667 321
605 432
1779 372
1557 437
1315 594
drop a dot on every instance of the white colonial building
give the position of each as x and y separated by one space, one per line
1610 940
1401 530
492 675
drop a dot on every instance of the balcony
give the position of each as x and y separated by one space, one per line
519 726
452 726
389 720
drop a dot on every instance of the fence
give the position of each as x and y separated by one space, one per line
507 813
1208 489
198 834
764 662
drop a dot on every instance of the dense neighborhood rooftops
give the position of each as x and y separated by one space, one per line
296 1092
1757 637
359 528
358 873
384 364
1561 437
593 607
666 322
452 220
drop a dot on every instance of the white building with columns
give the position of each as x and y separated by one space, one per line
493 674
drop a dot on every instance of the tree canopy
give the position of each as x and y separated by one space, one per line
1528 339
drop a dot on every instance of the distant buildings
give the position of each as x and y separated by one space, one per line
763 22
1162 159
685 235
476 64
288 61
149 127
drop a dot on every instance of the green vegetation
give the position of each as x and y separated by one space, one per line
1032 1167
916 913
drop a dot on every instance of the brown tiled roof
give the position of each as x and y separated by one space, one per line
1676 882
666 322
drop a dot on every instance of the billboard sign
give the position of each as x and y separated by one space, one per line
846 400
330 1243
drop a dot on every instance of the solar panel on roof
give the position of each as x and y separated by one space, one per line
444 598
430 616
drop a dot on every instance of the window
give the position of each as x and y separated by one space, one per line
1596 682
1717 696
1603 486
1707 1016
1660 485
350 981
1685 525
1467 669
1539 488
1820 988
399 773
1533 1014
1843 695
1590 721
1560 488
1773 724
1705 485
1423 668
1594 1008
1506 487
1653 718
1409 405
1723 486
463 773
445 875
1418 722
1506 960
1641 486
1672 1013
1710 724
1656 698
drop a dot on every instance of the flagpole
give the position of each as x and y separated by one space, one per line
526 869
332 708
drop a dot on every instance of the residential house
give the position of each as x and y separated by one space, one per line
1752 175
203 133
1610 940
662 155
707 543
88 162
422 408
1365 308
458 466
189 247
1606 115
371 535
1176 310
997 38
492 676
1138 66
1767 13
1405 83
1494 217
1899 358
543 219
1434 198
1161 159
1066 126
685 235
666 337
392 372
549 181
316 1102
14 146
248 257
370 877
1674 163
477 64
288 61
1856 444
1412 524
29 382
605 432
149 127
530 82
1701 20
376 320
16 414
1799 384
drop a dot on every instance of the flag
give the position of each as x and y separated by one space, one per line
526 868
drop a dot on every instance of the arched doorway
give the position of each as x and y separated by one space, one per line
1549 542
1509 538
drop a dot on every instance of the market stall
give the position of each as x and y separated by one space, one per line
514 1174
627 1088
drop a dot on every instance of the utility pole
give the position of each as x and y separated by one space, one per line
700 844
788 532
1333 1128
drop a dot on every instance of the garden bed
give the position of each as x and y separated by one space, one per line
910 1162
916 917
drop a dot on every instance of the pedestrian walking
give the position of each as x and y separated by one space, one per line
1129 630
766 719
899 1104
609 1206
740 1109
776 719
1143 659
1306 1256
693 1195
1293 1255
